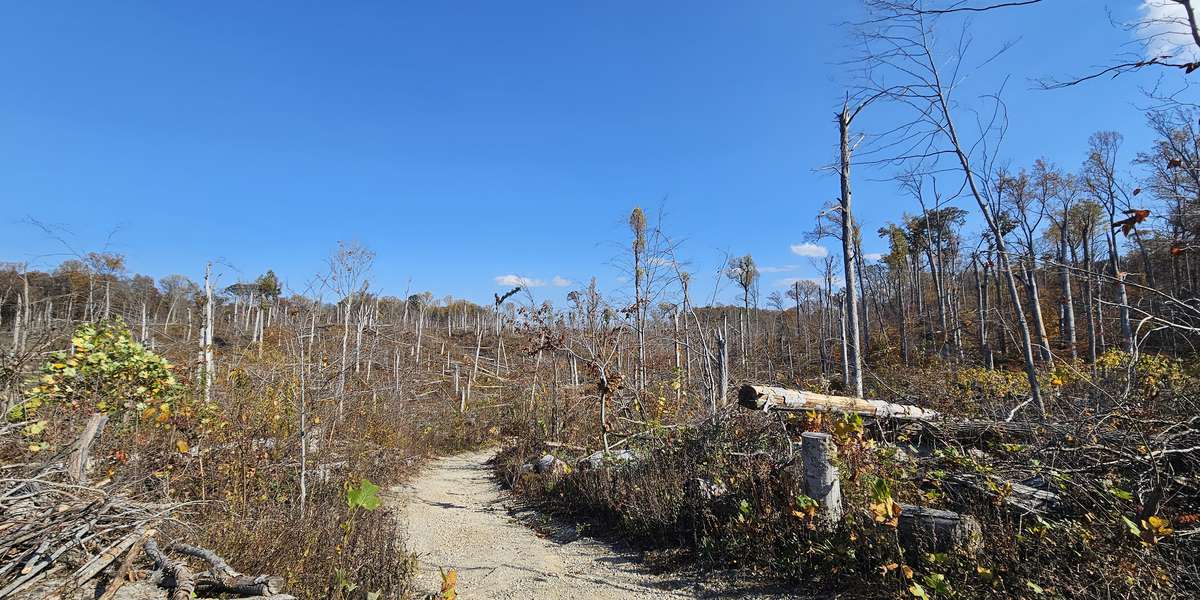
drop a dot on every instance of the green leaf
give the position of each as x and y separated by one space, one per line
1133 527
917 591
365 496
937 582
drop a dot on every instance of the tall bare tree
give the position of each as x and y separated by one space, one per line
744 273
900 49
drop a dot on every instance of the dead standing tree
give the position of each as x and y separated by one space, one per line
899 46
209 373
744 273
851 260
348 268
637 225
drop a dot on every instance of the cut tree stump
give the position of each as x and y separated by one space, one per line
821 482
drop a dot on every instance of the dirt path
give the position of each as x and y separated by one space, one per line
458 517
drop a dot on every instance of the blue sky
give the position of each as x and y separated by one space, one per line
470 140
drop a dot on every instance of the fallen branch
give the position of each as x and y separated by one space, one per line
176 575
223 579
122 573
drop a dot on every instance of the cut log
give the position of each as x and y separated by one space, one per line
240 585
933 530
551 465
600 458
1019 497
765 398
706 489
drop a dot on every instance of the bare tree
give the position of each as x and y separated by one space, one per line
1026 200
744 273
1103 181
1064 189
899 42
349 266
637 225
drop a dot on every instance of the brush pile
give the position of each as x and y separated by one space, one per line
63 538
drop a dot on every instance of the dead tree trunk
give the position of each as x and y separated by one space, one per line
78 462
853 355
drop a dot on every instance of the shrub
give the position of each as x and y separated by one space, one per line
106 370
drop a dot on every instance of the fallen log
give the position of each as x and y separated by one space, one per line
766 398
1019 497
119 577
934 530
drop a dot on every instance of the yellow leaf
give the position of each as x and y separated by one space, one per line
182 446
449 585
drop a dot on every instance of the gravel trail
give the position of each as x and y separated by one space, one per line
458 517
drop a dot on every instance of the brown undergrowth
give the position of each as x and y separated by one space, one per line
724 490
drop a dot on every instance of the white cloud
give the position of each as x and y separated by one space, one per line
1165 30
780 269
810 250
873 255
515 280
558 281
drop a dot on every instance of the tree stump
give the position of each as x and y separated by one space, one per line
821 481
